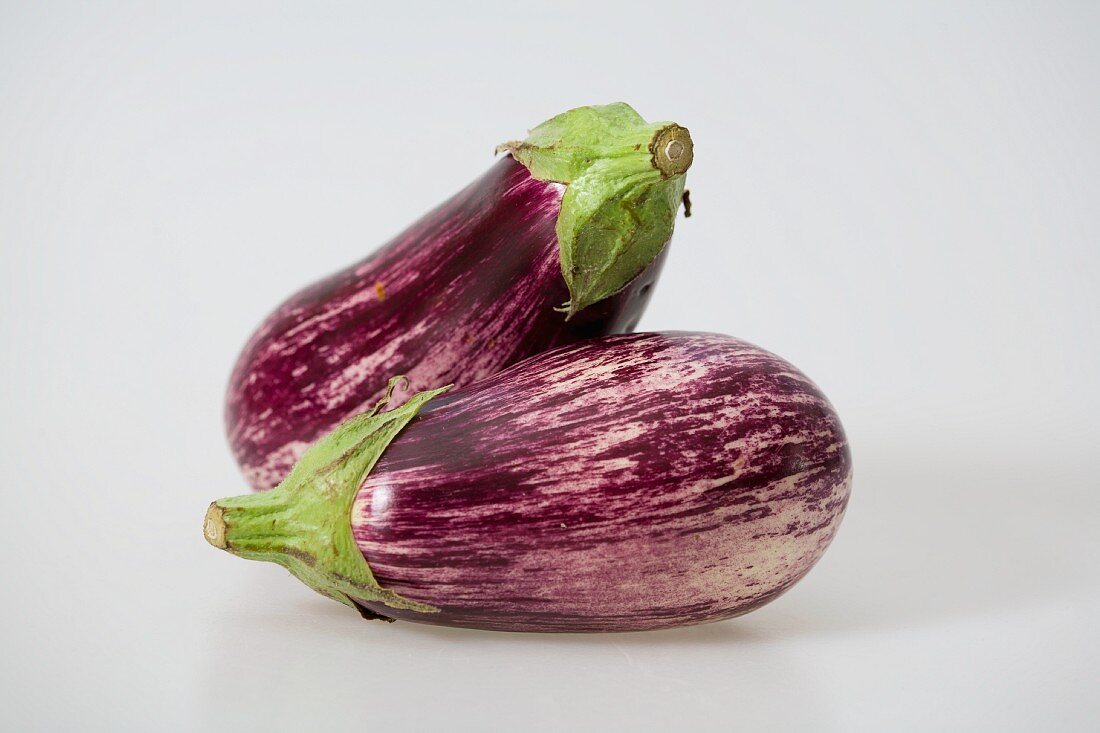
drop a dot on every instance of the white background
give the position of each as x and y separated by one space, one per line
903 202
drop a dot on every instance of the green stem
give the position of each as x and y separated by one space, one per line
624 181
305 523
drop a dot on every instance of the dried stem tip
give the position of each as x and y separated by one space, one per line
214 526
672 150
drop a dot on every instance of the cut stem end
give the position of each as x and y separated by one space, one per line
213 527
672 150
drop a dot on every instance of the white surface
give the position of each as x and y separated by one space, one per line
902 202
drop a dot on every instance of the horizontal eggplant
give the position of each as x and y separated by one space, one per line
624 483
578 214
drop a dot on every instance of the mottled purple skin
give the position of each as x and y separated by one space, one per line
466 291
625 483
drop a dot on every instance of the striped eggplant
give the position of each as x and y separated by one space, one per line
578 213
624 483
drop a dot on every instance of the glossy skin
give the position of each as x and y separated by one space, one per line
626 483
466 291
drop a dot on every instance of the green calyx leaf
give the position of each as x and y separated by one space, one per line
624 182
304 524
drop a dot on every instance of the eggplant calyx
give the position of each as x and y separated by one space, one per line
624 180
304 524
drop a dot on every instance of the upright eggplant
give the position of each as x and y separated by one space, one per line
623 483
577 214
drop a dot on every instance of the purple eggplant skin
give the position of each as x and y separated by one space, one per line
625 483
468 290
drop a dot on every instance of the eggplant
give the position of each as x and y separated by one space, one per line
624 483
561 240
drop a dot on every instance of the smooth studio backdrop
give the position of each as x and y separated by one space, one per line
901 201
